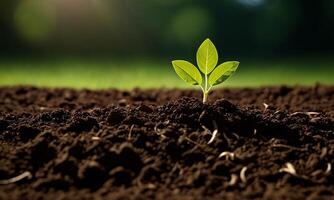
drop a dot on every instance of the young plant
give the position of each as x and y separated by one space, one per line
209 74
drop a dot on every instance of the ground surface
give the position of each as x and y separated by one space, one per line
147 73
159 144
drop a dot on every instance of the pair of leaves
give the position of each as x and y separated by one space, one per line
207 59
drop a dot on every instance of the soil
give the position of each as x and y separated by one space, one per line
264 143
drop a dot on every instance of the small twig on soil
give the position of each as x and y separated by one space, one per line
319 171
233 181
22 176
215 131
130 132
243 174
329 168
289 169
227 155
277 111
265 107
95 138
214 134
310 114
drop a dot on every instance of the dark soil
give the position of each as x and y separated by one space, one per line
158 144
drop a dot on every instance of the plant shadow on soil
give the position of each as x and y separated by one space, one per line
264 143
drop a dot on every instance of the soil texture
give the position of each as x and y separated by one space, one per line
264 143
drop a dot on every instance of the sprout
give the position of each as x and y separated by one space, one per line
208 74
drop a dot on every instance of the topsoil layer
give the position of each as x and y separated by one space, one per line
266 143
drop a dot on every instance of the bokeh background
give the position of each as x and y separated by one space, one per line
126 44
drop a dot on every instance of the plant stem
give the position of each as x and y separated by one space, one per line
205 90
205 96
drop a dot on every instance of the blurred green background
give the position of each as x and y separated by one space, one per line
126 44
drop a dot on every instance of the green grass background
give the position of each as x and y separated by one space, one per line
148 73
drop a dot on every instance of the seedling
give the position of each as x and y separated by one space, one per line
207 74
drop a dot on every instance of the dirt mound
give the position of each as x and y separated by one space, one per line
266 143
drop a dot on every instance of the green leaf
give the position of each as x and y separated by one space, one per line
222 72
207 56
187 71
